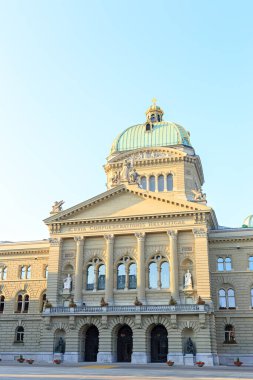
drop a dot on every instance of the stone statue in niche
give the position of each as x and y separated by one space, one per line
188 280
67 283
116 178
190 347
60 346
124 174
134 177
57 207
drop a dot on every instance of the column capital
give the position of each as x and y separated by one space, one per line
109 238
199 233
172 234
57 242
79 239
140 235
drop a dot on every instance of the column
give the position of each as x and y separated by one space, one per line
202 264
109 269
173 264
141 273
78 294
54 270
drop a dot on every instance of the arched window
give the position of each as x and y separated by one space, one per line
222 299
251 294
46 271
2 298
126 273
228 263
153 276
169 182
231 299
20 334
26 303
144 183
165 275
152 117
3 273
161 183
152 183
101 277
20 303
220 264
43 301
251 263
132 276
229 334
28 272
121 276
90 277
23 272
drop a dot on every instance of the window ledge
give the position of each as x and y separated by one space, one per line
18 342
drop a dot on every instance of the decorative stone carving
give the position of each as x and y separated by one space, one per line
199 233
173 321
67 284
188 280
199 196
72 324
57 207
55 242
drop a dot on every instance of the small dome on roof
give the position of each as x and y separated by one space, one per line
248 222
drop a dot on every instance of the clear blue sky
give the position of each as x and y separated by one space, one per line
73 74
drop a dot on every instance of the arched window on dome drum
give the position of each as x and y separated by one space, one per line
152 183
90 278
251 263
169 182
153 276
121 276
222 299
101 277
144 183
152 117
2 298
231 299
165 275
161 183
132 276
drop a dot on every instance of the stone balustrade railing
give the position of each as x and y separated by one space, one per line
145 309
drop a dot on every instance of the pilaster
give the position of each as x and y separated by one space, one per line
173 264
79 270
141 286
109 269
54 270
202 263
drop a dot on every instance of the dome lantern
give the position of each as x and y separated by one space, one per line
154 113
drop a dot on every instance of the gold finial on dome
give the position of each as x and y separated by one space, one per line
154 112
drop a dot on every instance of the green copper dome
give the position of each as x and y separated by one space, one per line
160 134
248 222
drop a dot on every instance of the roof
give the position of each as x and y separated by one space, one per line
248 222
162 134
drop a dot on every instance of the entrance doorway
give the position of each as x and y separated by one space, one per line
91 344
124 344
159 344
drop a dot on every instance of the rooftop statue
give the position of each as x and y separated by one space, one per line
199 196
57 207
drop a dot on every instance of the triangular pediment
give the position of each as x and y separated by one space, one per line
126 201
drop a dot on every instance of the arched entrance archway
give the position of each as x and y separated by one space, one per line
159 344
124 344
91 344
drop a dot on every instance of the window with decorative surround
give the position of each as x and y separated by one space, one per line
3 273
229 334
126 273
95 275
2 300
227 299
25 272
224 264
159 273
22 303
251 263
19 334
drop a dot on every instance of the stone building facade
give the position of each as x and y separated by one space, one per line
140 273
